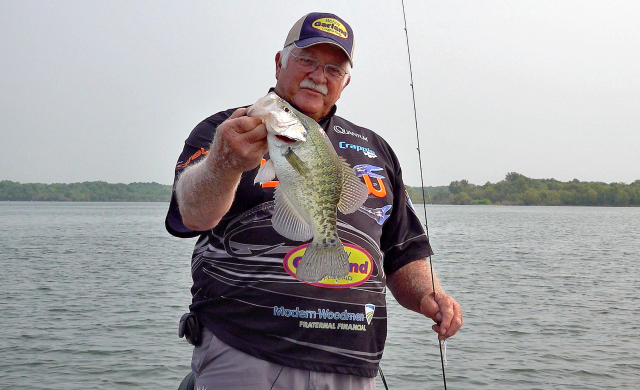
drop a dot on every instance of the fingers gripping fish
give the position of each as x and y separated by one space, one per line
314 183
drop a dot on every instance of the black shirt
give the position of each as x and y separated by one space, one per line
245 290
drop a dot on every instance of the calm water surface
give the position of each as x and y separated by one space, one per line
91 294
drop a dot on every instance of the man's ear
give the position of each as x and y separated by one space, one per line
278 65
347 82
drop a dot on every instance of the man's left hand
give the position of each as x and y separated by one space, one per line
445 311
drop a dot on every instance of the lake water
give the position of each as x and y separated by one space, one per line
91 294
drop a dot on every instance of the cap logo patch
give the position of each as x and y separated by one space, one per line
331 26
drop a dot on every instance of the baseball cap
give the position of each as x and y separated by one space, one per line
320 27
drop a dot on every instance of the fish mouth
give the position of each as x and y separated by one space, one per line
286 139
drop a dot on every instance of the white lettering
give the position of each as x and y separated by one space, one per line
297 313
340 130
323 314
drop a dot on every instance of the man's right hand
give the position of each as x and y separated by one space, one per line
239 144
205 191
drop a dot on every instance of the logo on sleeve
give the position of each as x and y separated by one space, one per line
192 158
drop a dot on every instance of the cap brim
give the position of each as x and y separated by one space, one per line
316 40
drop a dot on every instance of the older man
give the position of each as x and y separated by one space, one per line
264 328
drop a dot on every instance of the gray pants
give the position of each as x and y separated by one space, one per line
218 366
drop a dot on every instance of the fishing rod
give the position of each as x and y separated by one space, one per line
424 201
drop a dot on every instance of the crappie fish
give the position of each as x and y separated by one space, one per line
314 183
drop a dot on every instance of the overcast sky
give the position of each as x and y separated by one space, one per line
109 90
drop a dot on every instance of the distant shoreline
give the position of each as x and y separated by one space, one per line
94 191
515 189
519 190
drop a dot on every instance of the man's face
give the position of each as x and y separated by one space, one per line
310 101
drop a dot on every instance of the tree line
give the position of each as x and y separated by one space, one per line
90 191
517 189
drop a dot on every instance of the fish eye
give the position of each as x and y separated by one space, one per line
286 109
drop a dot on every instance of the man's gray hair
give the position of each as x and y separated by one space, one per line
284 55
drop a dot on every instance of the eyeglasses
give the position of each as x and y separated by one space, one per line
308 65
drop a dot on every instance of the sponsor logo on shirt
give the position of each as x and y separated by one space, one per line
369 309
319 314
367 151
368 172
340 130
379 214
360 267
338 318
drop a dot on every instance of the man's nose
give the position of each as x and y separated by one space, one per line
318 75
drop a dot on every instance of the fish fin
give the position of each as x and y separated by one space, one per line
354 191
267 172
287 220
297 163
320 260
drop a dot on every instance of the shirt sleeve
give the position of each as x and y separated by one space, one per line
195 148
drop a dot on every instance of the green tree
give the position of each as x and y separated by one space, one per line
530 197
462 198
455 187
517 189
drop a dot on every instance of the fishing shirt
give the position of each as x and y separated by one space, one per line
244 285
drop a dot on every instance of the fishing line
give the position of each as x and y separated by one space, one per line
274 382
384 381
424 201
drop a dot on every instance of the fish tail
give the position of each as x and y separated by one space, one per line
320 260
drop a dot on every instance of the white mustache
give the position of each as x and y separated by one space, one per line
321 88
